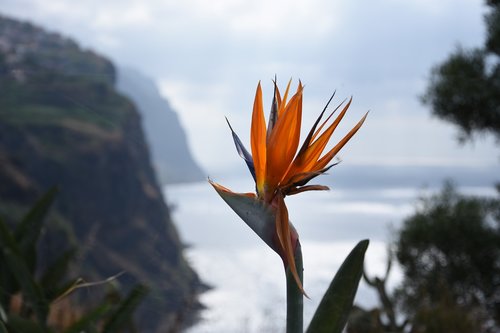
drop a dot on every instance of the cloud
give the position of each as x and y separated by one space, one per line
209 56
118 17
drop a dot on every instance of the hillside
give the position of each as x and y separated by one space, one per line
165 136
62 123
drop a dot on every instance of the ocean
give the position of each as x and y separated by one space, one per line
247 277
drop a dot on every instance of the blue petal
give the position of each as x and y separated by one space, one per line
243 152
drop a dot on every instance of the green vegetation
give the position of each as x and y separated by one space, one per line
449 249
48 99
333 311
450 254
29 299
464 89
47 79
62 123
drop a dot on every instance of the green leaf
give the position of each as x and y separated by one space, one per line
29 229
17 324
3 314
56 293
51 281
122 316
89 321
257 215
8 283
3 319
31 291
333 311
8 242
17 266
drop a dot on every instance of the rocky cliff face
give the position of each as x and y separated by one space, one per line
62 123
170 153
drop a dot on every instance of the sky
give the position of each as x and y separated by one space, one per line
208 56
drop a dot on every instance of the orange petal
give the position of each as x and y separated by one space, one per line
308 188
309 156
282 103
221 188
258 140
283 142
339 118
312 131
284 236
313 153
328 157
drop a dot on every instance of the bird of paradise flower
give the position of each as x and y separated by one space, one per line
279 170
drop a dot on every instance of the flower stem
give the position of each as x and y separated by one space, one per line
294 297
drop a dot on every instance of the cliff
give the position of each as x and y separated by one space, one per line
62 123
165 136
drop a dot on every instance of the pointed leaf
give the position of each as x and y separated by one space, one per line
257 215
88 322
35 215
3 314
52 278
8 242
8 283
18 267
2 328
31 291
17 324
123 314
28 231
333 311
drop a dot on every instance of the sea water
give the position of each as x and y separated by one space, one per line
247 277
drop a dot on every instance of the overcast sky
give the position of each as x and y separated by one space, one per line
207 57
